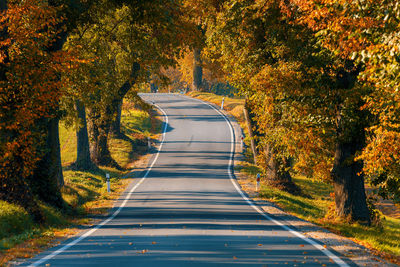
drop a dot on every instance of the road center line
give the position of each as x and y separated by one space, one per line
91 231
328 253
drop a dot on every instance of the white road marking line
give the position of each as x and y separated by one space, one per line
88 233
328 253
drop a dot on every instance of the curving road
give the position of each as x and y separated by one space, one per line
188 210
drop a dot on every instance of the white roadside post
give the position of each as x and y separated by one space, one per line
108 182
148 142
222 104
241 142
258 182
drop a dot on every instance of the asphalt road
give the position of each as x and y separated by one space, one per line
188 210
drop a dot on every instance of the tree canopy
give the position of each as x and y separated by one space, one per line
321 80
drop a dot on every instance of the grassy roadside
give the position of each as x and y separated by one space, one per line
85 192
318 209
233 105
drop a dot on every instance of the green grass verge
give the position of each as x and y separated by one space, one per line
85 192
317 208
17 226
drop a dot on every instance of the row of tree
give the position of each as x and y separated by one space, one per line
76 61
320 78
321 82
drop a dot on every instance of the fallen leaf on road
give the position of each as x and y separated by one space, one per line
154 243
234 257
260 245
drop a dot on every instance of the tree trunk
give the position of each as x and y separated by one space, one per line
100 120
197 70
116 124
153 87
83 161
351 121
48 177
277 172
350 197
99 128
250 129
116 105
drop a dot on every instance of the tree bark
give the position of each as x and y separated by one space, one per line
351 121
48 177
99 128
197 70
116 124
250 129
83 161
350 197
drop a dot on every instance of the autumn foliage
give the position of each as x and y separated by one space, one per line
366 32
29 90
321 79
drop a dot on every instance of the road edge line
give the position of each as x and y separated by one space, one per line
91 231
324 250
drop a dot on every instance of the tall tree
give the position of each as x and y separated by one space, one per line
126 46
306 98
28 93
364 33
83 159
